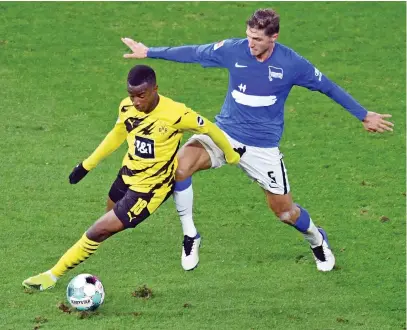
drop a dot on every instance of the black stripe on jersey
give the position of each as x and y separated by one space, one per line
169 179
173 133
284 178
148 129
178 120
132 123
125 108
126 171
167 164
130 156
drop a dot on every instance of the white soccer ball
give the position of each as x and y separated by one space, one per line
85 292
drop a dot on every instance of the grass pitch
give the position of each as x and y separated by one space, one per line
62 77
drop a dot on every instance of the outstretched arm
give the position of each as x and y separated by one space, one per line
138 49
209 55
186 54
376 122
310 77
111 142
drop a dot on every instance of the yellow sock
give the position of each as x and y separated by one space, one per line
79 252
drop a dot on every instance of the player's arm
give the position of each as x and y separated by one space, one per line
191 121
208 55
110 143
310 77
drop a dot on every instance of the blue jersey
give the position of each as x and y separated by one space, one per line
253 110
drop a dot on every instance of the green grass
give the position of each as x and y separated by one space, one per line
62 77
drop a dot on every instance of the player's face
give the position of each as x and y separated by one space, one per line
143 96
259 43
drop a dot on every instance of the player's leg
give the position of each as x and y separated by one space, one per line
298 217
116 193
103 228
192 158
109 204
267 168
130 211
199 153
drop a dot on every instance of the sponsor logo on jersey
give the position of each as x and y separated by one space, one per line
144 147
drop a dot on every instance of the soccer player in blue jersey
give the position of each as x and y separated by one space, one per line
262 73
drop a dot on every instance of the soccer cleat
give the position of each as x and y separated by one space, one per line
190 252
323 255
40 282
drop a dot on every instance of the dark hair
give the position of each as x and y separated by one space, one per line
265 19
141 74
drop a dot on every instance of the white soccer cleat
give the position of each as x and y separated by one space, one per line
190 252
323 255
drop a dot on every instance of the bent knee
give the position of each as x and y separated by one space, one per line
97 234
192 158
183 173
289 216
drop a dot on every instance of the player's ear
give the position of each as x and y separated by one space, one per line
274 37
155 88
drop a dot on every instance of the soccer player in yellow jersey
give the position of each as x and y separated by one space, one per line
153 126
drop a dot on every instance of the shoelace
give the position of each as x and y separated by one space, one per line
188 244
319 253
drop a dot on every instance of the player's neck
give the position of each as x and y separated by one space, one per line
266 55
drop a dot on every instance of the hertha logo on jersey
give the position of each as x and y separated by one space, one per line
275 73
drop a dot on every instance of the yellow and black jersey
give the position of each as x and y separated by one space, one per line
153 140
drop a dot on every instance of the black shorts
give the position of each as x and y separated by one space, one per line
118 189
133 207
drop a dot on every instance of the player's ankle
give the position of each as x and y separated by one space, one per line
54 278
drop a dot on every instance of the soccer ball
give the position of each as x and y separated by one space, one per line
85 292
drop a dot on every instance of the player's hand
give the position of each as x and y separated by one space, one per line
375 122
240 150
232 158
138 49
78 173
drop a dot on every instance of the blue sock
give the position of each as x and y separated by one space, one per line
303 221
182 185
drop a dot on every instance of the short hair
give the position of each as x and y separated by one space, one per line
141 74
265 19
